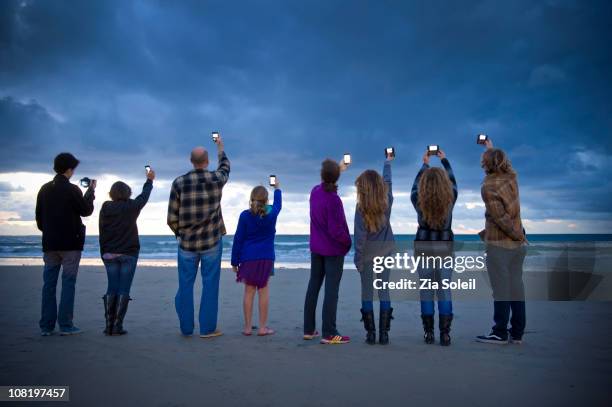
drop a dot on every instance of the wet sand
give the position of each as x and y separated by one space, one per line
566 359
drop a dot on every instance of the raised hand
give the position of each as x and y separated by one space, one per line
426 158
151 174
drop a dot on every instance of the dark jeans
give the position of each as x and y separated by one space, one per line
120 272
328 268
505 269
68 261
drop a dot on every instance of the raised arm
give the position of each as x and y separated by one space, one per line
387 178
142 199
414 195
174 203
223 168
277 205
451 175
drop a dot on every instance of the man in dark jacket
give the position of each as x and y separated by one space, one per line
59 207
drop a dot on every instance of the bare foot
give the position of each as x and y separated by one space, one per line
265 331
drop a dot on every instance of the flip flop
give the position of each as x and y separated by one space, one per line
268 332
211 335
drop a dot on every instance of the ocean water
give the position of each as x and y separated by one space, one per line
291 250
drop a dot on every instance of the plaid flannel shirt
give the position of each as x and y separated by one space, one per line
194 207
503 209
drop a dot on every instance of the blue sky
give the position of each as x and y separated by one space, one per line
125 83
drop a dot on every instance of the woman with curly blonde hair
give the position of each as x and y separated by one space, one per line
373 235
434 194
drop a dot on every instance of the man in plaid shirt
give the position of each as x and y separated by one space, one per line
194 215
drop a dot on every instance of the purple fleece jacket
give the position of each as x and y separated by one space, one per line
329 233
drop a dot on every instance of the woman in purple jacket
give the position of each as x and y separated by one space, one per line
330 241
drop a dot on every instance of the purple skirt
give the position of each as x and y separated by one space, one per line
255 272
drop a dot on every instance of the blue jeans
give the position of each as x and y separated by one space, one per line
120 272
54 261
445 305
188 263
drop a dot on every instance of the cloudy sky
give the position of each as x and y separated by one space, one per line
122 84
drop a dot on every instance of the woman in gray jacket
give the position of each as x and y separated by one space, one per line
374 237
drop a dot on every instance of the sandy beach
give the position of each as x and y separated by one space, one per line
566 359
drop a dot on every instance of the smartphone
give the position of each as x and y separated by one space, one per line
347 159
389 152
215 136
148 168
433 149
481 138
272 180
85 182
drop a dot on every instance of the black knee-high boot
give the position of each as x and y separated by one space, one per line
445 326
385 325
122 307
428 327
110 309
368 323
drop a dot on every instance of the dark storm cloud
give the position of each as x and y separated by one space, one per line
289 83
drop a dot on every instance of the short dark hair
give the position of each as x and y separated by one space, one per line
64 162
330 172
120 191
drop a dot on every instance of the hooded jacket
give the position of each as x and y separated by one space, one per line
118 229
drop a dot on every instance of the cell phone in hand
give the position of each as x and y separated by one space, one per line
85 182
215 136
272 180
347 159
481 139
433 149
389 152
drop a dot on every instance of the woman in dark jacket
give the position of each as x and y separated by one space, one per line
434 194
119 248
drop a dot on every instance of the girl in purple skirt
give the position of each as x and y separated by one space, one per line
253 254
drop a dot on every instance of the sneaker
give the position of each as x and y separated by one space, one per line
516 341
309 337
492 338
46 333
70 331
335 340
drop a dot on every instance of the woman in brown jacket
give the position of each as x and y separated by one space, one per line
505 241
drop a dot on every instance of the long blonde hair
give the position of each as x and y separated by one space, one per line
259 200
372 200
435 197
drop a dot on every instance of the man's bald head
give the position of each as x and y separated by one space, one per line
199 157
